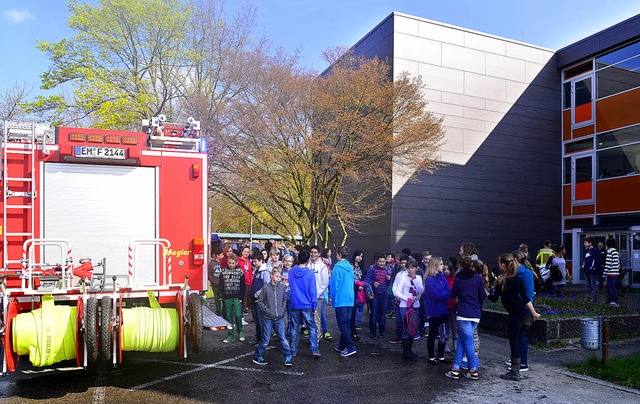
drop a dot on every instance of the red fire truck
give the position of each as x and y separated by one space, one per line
104 242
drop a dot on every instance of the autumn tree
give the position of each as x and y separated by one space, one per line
311 150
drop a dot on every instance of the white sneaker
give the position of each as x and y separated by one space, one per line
508 363
614 304
244 322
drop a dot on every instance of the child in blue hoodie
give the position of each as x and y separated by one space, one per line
438 292
304 302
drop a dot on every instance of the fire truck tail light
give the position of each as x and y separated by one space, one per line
112 139
94 138
195 170
198 251
77 137
129 140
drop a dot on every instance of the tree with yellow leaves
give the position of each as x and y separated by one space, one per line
315 151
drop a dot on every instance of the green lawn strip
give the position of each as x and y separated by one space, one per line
621 371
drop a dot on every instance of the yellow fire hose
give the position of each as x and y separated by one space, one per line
47 334
150 329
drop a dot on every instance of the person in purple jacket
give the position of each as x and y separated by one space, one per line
379 277
468 287
438 292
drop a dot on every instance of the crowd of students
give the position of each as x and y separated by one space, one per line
427 295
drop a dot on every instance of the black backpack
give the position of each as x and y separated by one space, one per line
555 273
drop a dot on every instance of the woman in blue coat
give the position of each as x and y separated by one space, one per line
437 292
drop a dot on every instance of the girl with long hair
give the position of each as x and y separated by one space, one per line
437 292
468 288
510 289
527 275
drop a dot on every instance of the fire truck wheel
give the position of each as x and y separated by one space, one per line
105 328
195 326
91 328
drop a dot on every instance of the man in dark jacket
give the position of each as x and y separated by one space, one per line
590 265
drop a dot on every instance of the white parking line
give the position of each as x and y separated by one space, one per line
217 365
282 372
100 392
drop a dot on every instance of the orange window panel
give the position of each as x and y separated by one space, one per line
584 191
584 131
583 210
566 200
618 111
614 195
583 113
566 125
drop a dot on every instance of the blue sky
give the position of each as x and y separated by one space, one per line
314 25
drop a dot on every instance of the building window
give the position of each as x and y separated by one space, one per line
618 71
578 94
578 70
618 137
566 95
617 56
619 161
580 145
567 171
583 179
582 101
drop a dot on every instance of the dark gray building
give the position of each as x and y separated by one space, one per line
500 100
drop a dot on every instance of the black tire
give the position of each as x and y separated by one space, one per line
105 328
195 322
91 328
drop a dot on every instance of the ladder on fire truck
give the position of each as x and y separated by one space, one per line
19 147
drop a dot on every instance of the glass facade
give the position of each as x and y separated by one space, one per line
618 71
601 153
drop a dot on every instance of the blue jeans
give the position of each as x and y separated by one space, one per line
267 327
343 318
358 308
298 316
592 286
612 295
377 315
465 345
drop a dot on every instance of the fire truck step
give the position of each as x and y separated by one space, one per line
11 193
17 234
13 262
19 206
17 151
19 179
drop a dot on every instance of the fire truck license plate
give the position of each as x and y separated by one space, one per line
100 152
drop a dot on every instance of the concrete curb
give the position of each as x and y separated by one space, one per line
597 381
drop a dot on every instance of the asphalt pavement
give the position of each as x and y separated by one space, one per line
224 373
